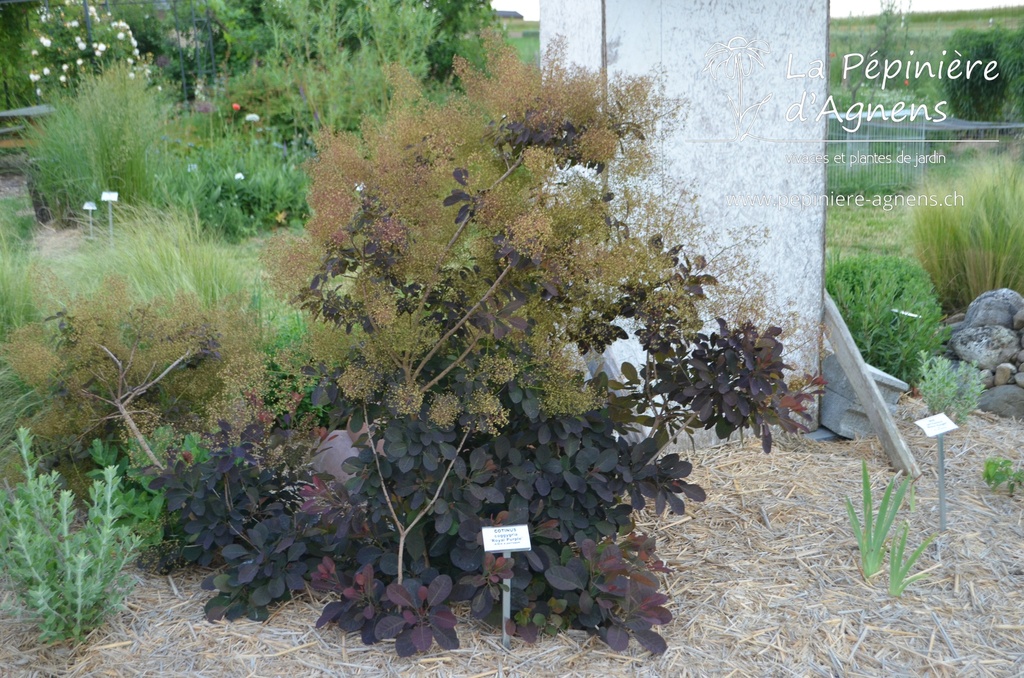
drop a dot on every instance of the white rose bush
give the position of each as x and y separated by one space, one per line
63 49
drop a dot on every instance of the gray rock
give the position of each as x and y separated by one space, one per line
987 378
1006 401
1019 379
1004 374
995 307
1020 358
954 319
1018 320
985 346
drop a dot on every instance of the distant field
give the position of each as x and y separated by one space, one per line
525 37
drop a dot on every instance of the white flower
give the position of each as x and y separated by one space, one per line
131 75
135 43
159 88
252 117
63 78
239 176
74 24
135 52
81 45
120 35
39 92
79 62
45 40
35 52
33 77
64 67
130 61
102 48
46 71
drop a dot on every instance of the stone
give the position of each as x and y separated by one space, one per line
985 346
1006 401
335 449
1018 320
1020 358
1004 373
954 319
995 307
1019 379
840 410
987 378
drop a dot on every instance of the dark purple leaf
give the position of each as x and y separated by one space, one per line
446 638
422 637
439 590
564 579
651 641
443 618
616 637
330 613
400 596
460 175
389 627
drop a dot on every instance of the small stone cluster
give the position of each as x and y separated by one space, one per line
991 336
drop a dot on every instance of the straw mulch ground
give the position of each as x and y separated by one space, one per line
765 584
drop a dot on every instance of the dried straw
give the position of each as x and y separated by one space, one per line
765 584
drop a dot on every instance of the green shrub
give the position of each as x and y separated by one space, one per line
70 579
319 44
238 187
999 470
949 389
977 97
871 291
979 245
100 140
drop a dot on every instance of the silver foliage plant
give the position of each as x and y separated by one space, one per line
68 577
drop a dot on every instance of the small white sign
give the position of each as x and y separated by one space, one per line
90 206
109 196
933 426
507 538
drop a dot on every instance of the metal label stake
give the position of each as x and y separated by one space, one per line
109 197
939 425
90 207
506 539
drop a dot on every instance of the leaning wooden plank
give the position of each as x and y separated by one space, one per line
864 387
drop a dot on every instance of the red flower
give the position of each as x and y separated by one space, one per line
236 107
906 83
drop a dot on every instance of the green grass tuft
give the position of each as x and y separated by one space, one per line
978 246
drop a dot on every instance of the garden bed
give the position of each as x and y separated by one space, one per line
765 583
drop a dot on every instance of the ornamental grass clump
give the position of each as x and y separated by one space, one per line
68 577
462 260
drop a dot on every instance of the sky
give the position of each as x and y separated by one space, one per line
530 9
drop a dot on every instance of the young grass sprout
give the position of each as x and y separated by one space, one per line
872 537
898 569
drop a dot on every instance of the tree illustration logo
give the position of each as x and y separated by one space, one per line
735 60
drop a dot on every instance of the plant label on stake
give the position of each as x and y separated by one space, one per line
507 538
938 426
90 207
110 197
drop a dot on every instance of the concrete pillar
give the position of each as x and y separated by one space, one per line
739 64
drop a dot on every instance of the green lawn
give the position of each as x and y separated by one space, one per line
853 230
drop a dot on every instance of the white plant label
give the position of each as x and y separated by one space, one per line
90 206
507 538
933 426
109 196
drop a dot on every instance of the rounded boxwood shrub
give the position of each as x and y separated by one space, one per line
891 308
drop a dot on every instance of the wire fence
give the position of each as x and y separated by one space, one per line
884 155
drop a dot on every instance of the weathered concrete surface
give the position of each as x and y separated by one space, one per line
736 140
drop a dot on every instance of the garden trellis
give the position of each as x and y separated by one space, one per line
193 27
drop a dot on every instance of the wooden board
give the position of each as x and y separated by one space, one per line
864 387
